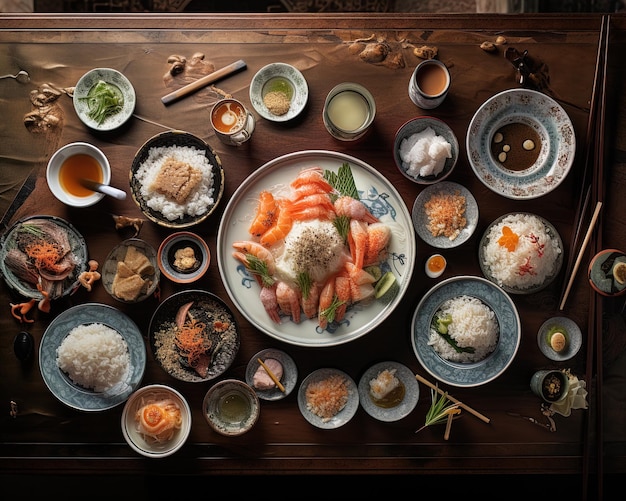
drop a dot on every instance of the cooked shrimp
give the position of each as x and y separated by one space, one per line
309 189
270 303
288 300
311 301
312 175
266 214
357 241
361 282
344 295
354 209
327 294
378 235
248 248
315 212
316 200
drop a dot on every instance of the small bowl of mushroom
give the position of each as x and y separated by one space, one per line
184 257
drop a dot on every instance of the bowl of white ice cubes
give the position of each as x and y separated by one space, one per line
426 150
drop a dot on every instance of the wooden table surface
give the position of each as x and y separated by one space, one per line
57 50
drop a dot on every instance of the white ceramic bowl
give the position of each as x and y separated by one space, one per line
280 77
145 444
416 126
231 407
119 84
59 188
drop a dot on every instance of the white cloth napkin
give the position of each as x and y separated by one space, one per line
576 397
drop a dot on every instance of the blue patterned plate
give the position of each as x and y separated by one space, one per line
376 192
467 374
551 123
62 386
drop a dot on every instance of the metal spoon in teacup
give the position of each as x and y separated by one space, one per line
103 188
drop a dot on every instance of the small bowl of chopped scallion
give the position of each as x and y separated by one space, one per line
104 99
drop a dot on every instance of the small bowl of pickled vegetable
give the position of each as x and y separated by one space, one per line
104 99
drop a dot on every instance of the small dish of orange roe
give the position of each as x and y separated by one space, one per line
435 265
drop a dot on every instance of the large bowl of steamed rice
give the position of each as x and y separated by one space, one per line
466 331
176 179
425 150
92 357
521 252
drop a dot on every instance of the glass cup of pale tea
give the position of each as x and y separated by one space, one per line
69 166
232 122
349 110
429 84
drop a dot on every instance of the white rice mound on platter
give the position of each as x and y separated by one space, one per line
532 261
94 356
473 325
197 202
425 153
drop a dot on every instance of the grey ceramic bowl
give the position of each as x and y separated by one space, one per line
418 125
231 407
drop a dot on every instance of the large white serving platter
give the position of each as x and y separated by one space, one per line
376 192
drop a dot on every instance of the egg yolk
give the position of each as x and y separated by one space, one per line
436 264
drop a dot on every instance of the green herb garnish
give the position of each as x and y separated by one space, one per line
258 267
329 313
440 410
342 181
304 283
440 325
103 100
342 225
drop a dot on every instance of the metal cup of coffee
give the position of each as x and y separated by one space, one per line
232 122
429 84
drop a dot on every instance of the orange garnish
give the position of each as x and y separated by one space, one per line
45 254
191 342
508 239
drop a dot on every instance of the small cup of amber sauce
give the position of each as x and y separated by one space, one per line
429 84
70 164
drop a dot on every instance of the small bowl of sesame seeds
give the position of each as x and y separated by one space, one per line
279 92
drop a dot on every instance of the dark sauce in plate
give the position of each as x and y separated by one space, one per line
513 135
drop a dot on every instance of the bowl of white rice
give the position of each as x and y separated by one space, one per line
466 331
521 252
176 179
425 150
92 357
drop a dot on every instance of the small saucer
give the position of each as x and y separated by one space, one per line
289 379
405 407
572 331
191 265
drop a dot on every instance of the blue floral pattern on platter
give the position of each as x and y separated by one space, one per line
62 386
467 374
550 122
376 192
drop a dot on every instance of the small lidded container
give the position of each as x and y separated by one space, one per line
435 266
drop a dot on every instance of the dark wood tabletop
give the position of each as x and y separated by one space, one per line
57 50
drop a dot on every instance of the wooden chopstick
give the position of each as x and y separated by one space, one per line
272 375
452 399
581 253
204 81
